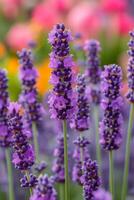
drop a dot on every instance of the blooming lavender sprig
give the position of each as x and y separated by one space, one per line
130 94
58 165
90 179
5 136
23 156
111 125
61 99
29 96
92 48
81 122
81 153
44 189
30 181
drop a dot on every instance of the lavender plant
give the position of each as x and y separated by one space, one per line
130 97
5 135
111 124
61 100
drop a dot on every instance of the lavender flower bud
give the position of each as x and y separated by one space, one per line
41 166
23 156
5 136
44 189
58 166
29 96
130 94
62 99
81 122
80 154
111 125
90 179
92 48
102 194
29 182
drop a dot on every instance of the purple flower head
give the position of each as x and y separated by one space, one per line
44 189
102 194
81 122
111 125
80 154
29 96
41 166
30 181
23 156
62 98
130 94
58 165
92 48
90 178
5 136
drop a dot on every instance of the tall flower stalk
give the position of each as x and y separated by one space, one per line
29 95
61 99
93 72
5 135
130 97
111 125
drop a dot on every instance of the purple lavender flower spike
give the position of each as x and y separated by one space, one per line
62 98
90 179
29 96
23 156
58 166
130 94
30 182
44 189
80 153
5 136
92 48
102 194
111 125
81 122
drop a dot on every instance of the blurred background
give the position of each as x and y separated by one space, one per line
26 23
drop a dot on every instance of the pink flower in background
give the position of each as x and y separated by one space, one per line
84 18
61 5
114 5
19 36
45 16
10 7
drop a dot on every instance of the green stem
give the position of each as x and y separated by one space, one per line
98 151
111 174
66 161
35 140
61 191
10 176
127 154
27 175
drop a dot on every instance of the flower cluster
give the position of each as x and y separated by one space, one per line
5 136
92 47
111 125
23 156
82 112
102 194
29 96
130 94
30 181
90 178
80 154
61 100
58 166
44 189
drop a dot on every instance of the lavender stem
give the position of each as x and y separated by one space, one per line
27 174
111 174
127 155
66 161
61 191
10 176
98 151
35 140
